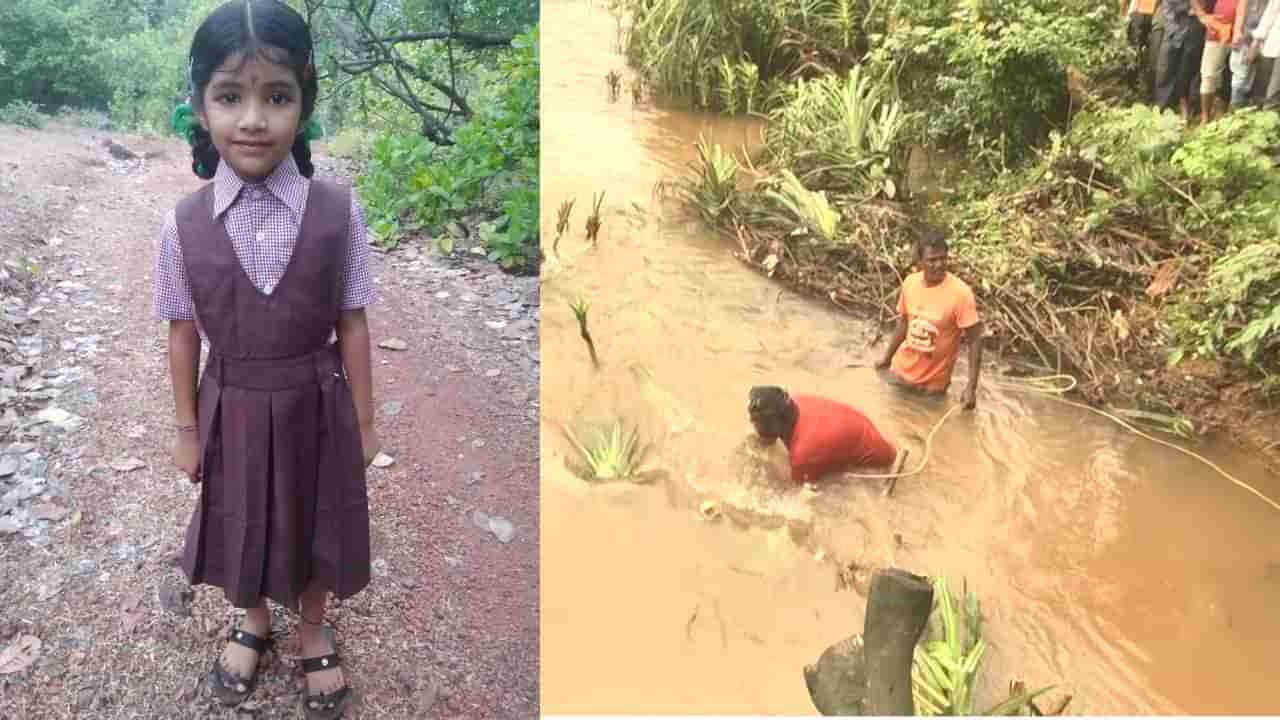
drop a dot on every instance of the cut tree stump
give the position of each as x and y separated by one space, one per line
871 674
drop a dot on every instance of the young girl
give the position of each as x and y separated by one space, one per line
267 265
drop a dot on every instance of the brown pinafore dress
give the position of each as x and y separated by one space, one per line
283 504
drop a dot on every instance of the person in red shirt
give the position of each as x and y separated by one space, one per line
822 436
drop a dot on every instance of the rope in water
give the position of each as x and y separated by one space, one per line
928 447
1054 387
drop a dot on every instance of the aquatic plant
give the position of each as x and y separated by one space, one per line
613 453
593 220
614 82
580 308
710 189
562 223
725 56
809 208
848 133
946 665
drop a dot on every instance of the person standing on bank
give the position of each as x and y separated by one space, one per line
268 264
1181 54
1220 41
1243 62
1141 16
1266 41
936 312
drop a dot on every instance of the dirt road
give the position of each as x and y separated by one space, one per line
92 512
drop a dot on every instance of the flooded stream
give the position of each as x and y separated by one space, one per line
1130 576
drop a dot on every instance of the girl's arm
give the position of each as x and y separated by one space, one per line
184 360
353 341
184 364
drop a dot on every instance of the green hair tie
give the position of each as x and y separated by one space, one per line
184 123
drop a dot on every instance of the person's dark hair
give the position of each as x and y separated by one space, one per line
274 32
770 408
929 238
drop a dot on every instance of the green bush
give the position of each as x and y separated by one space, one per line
1229 156
50 54
147 69
992 74
1218 191
351 144
24 113
86 118
846 133
1238 312
413 185
737 55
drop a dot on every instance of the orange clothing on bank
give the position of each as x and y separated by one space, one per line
936 317
1146 7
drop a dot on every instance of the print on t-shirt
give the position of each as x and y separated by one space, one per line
922 331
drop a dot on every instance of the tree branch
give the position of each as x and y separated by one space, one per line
470 39
363 66
432 128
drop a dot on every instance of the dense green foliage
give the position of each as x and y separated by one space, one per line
1108 239
446 122
992 75
841 132
413 185
987 74
24 113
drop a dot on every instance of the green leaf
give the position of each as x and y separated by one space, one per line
1015 704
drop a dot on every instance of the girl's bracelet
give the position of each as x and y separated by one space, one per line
186 428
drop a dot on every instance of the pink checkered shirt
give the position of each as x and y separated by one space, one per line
262 220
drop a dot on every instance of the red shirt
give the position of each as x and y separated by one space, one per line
833 436
1224 11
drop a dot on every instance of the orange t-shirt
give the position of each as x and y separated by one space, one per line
935 318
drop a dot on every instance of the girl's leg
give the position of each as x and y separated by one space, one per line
238 659
315 644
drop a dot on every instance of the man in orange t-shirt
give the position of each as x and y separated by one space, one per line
822 436
936 311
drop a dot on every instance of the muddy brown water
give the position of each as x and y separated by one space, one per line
1130 576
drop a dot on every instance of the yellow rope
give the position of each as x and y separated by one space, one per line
928 447
1053 387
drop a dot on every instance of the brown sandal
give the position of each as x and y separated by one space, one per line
229 687
324 706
